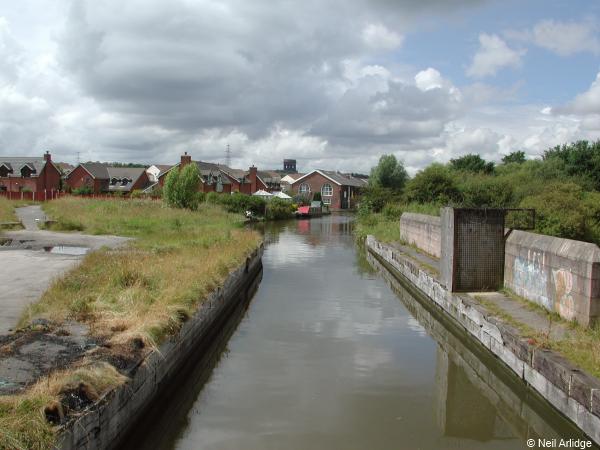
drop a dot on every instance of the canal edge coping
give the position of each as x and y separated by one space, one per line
105 424
567 388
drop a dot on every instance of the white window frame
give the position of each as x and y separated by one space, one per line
323 194
302 191
326 200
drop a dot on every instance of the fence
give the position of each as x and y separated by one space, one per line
43 196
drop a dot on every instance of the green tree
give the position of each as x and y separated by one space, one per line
389 173
181 187
472 163
514 157
581 159
560 210
433 184
484 191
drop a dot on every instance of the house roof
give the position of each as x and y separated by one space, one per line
268 176
15 163
124 177
294 176
336 177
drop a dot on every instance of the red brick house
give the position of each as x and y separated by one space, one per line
221 178
29 174
102 178
338 191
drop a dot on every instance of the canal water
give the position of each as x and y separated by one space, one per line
334 353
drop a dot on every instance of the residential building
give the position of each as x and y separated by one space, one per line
221 178
155 170
287 181
103 178
337 191
23 174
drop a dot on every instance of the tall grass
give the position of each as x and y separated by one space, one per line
7 211
146 289
141 292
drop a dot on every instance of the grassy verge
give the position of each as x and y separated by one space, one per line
581 346
384 229
7 211
139 293
146 289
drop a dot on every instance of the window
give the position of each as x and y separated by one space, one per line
304 188
327 200
326 190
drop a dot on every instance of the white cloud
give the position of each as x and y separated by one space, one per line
378 36
587 102
493 54
429 79
566 38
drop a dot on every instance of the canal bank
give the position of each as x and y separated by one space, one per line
327 356
110 420
571 391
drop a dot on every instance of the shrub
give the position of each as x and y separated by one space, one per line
278 209
435 184
83 190
181 187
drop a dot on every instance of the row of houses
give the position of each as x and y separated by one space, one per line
18 174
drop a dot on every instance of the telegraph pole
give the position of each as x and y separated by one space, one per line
228 156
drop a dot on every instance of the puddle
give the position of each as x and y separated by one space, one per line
67 250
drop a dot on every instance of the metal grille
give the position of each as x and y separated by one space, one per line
478 249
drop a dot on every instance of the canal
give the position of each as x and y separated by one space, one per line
334 353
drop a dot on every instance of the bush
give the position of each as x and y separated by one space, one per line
486 192
435 184
181 187
560 211
317 197
83 190
392 211
278 209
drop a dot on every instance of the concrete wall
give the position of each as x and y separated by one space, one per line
106 423
422 231
566 387
561 275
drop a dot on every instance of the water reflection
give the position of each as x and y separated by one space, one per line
327 357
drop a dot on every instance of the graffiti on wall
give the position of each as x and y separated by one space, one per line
563 283
531 279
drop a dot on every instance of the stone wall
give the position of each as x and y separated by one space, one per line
422 231
566 387
106 423
561 275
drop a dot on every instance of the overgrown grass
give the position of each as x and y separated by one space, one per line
23 424
148 288
143 291
383 228
581 345
7 210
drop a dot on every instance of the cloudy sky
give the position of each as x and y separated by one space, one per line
333 83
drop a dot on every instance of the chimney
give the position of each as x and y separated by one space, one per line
252 177
185 159
47 156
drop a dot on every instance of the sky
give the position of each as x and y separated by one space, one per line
334 84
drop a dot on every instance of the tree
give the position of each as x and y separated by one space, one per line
581 159
181 187
472 163
389 173
514 157
433 184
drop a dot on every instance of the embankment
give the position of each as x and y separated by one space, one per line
108 422
572 392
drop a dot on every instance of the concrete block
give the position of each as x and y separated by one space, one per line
582 386
596 402
554 368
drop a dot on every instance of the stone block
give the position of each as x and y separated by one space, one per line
554 368
582 386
